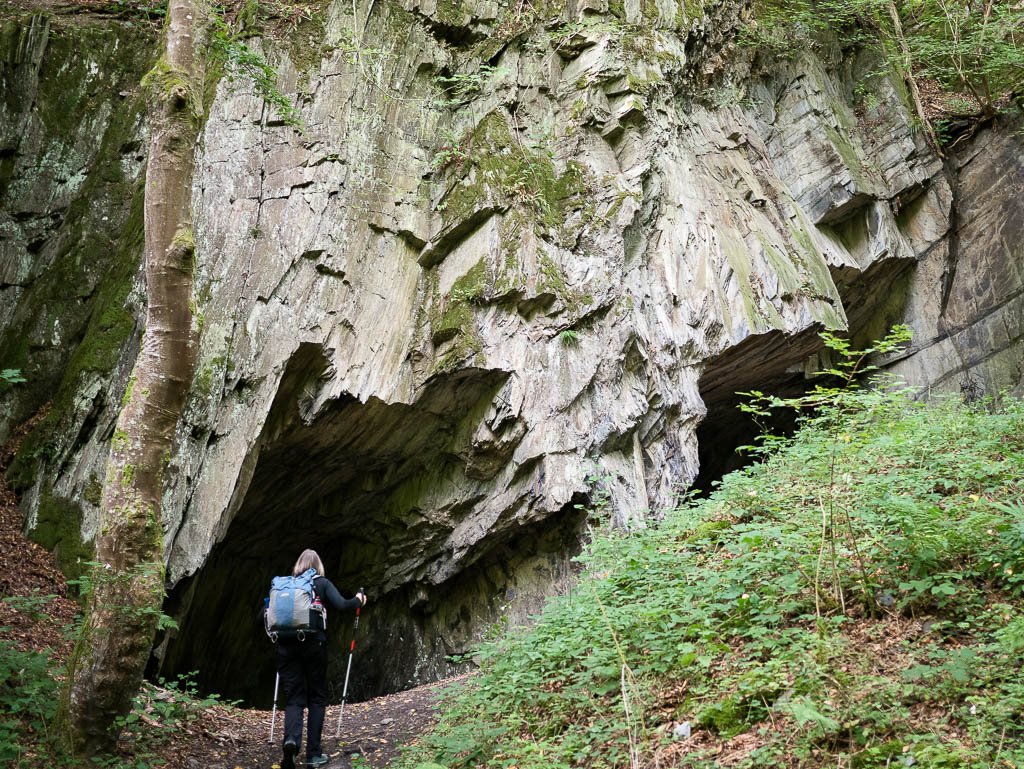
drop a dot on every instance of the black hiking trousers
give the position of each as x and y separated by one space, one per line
303 669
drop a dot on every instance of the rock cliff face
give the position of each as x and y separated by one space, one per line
518 261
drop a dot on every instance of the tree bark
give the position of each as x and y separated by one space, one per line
128 585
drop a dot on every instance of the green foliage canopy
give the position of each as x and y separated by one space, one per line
974 48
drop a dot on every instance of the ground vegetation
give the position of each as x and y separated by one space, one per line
958 59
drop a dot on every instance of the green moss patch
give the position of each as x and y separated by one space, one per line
106 335
306 45
456 321
467 344
59 528
71 320
500 167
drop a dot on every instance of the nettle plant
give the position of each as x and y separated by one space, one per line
838 409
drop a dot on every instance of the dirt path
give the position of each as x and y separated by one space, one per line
375 730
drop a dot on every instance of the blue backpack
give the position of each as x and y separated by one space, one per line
292 605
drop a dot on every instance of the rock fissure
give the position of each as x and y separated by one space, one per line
952 248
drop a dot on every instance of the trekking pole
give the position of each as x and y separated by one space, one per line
273 711
348 669
277 678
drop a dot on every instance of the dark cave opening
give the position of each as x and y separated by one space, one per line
787 365
726 430
375 488
771 363
409 635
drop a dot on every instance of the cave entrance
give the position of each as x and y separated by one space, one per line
771 363
379 491
783 365
408 635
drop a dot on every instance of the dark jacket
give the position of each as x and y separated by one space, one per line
330 597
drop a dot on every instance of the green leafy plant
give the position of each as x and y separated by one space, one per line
28 698
159 711
11 376
140 9
835 409
452 150
239 59
457 88
97 573
31 605
569 337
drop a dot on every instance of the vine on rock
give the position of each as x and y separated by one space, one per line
239 59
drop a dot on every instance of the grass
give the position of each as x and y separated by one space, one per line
853 599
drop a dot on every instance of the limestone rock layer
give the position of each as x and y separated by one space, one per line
513 268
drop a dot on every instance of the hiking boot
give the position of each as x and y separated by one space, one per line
290 749
316 761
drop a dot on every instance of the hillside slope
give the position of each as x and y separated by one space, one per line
853 600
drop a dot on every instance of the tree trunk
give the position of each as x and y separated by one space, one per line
128 586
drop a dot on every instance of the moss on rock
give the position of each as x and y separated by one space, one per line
80 176
59 528
470 287
499 167
106 335
450 12
93 493
466 344
457 320
305 43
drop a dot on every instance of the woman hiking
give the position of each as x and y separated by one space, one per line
302 666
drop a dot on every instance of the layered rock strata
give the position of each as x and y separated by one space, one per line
513 260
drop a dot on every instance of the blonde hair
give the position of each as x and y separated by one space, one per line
308 560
